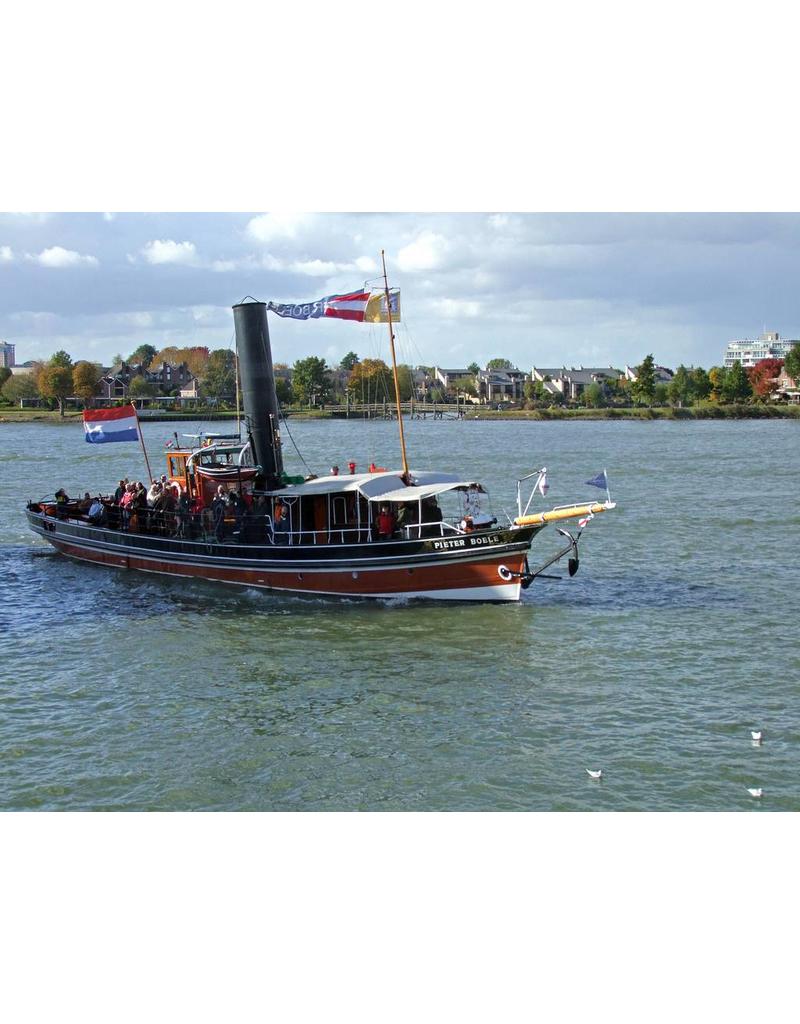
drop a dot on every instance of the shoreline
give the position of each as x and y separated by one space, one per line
714 412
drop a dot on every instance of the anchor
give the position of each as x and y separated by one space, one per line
573 564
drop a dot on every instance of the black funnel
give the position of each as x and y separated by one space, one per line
258 389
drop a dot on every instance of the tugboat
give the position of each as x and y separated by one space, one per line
240 519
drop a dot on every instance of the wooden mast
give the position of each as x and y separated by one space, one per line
394 370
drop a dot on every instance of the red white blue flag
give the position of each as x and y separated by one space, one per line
103 425
363 306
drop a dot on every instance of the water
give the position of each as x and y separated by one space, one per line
131 692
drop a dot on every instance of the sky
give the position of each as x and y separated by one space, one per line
539 289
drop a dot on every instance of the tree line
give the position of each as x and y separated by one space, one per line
310 381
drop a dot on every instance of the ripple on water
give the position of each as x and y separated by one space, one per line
121 691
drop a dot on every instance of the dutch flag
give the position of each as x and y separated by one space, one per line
104 425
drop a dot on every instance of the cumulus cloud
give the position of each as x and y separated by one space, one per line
319 268
167 251
6 255
455 309
426 252
367 265
271 226
57 256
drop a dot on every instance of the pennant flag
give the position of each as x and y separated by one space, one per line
542 486
299 310
104 425
361 306
599 481
585 520
347 307
376 308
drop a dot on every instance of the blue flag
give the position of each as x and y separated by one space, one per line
599 481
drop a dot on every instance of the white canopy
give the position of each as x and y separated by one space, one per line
423 491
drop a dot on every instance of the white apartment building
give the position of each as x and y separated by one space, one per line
6 354
767 346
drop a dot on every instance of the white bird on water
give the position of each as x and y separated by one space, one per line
756 792
595 775
757 737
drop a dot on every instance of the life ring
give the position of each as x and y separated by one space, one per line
505 573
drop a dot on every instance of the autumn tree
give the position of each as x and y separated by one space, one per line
762 376
716 380
85 376
643 388
196 357
54 380
370 381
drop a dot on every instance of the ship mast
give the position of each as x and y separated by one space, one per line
394 370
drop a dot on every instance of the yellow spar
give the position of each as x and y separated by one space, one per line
564 512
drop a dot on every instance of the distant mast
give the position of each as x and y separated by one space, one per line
394 370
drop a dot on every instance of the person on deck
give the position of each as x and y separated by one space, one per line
119 492
62 500
218 513
126 505
386 523
97 513
280 523
352 467
181 515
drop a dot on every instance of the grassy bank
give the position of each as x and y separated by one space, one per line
703 412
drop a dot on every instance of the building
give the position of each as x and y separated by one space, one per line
786 388
572 383
451 380
169 377
663 374
6 355
766 346
501 385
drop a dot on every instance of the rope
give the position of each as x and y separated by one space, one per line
299 453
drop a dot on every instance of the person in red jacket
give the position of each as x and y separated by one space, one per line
386 523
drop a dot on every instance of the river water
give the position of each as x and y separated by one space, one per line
124 691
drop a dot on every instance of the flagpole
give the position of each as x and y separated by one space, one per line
608 492
394 370
141 439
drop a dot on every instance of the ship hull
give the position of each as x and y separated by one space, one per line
484 566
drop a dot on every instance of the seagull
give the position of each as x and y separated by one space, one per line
598 774
755 792
757 737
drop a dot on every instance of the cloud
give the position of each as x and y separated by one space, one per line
455 309
426 252
271 226
109 216
367 265
166 251
58 257
319 268
6 255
